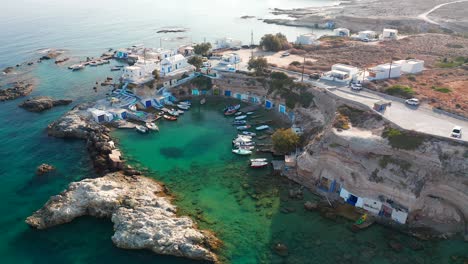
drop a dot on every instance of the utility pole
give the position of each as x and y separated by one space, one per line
160 42
390 70
251 44
303 66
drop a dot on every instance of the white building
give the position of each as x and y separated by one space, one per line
411 66
307 39
101 116
341 32
341 73
389 33
385 71
186 50
141 71
230 58
226 43
174 65
367 35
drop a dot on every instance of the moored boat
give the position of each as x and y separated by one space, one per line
241 151
247 133
238 113
232 107
170 118
240 117
141 129
258 164
183 106
76 67
116 69
152 126
239 122
262 127
173 112
258 160
246 147
243 127
230 112
249 113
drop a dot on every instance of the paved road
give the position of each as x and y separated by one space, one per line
422 119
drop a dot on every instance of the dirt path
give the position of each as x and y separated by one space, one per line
424 16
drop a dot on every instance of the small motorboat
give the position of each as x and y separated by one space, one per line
181 112
239 122
230 112
246 147
93 64
244 143
244 136
241 151
240 117
258 164
116 69
170 118
141 129
238 113
232 107
247 133
258 160
186 103
173 112
152 126
77 67
183 106
262 127
249 113
243 127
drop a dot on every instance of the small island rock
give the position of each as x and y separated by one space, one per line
44 168
41 103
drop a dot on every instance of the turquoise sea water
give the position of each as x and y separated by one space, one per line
192 156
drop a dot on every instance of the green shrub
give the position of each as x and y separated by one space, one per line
402 139
458 61
411 77
385 160
441 89
400 90
295 63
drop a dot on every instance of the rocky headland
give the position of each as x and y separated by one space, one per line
143 215
19 89
139 207
42 103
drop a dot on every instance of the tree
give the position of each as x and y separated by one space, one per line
285 140
156 74
196 61
202 48
258 64
270 42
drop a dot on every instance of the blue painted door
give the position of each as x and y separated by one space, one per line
238 96
124 115
282 109
227 93
268 104
101 118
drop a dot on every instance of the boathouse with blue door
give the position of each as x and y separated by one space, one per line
227 93
147 102
282 109
268 104
195 92
238 96
254 100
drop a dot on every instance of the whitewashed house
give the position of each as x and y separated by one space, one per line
174 65
230 58
341 32
385 71
101 116
341 73
411 66
186 50
389 33
141 71
226 43
307 39
367 35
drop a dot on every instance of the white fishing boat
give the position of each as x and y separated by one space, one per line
141 129
241 151
186 103
247 133
244 143
243 127
258 164
249 113
240 117
173 112
76 67
152 126
238 113
262 127
239 122
258 160
181 112
246 147
183 106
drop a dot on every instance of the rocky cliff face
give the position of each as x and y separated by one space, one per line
143 216
430 180
41 103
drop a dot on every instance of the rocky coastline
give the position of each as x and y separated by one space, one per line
19 89
42 103
139 207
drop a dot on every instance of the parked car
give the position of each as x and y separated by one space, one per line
285 54
365 40
314 76
412 101
356 86
456 132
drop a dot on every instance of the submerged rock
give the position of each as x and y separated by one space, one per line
41 103
310 206
18 90
143 217
44 168
281 250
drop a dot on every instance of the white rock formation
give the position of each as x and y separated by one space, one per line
143 216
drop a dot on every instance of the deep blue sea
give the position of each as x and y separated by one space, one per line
88 28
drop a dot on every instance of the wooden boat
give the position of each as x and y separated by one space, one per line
241 151
249 113
259 128
240 117
170 118
186 103
363 222
141 129
230 112
183 106
232 107
247 133
244 136
246 147
173 112
152 126
258 164
243 127
238 113
239 122
244 143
